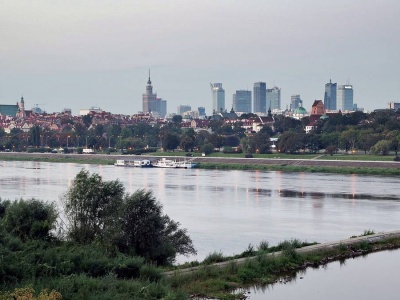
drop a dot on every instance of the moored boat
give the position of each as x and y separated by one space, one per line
168 163
143 163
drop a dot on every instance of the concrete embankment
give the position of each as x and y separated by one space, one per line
370 239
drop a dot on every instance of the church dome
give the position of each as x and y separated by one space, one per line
300 111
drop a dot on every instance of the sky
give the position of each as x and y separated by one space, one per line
77 54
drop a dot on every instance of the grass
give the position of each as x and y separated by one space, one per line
207 281
310 169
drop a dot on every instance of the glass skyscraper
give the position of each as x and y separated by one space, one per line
345 97
242 101
260 97
330 96
274 98
218 96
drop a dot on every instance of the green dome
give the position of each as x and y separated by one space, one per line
300 111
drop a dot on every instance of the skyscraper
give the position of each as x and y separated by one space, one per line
202 111
149 99
163 108
345 97
183 108
330 96
218 96
260 97
295 102
274 98
241 101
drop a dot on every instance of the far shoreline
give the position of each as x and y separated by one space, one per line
387 168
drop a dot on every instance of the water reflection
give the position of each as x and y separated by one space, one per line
368 277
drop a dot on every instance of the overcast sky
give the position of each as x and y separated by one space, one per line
78 54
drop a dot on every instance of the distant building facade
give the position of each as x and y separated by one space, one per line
202 111
317 108
218 97
152 104
163 108
394 105
260 97
274 98
183 108
295 102
330 95
345 97
241 101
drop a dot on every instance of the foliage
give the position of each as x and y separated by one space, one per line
382 147
171 141
207 149
28 293
150 233
291 142
29 219
92 207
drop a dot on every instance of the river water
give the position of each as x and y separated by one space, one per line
369 278
228 210
225 211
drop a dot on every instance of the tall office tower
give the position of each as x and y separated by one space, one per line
218 96
242 101
274 98
183 108
202 111
163 108
345 97
330 96
149 99
295 102
260 97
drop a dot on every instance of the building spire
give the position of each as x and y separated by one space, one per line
149 81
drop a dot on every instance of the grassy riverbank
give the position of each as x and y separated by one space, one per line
61 158
286 163
309 169
86 275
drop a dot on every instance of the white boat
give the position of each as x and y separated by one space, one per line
168 163
185 164
144 163
165 163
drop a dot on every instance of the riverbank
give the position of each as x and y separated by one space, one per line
389 168
86 272
220 279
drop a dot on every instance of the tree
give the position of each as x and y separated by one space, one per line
291 142
187 143
366 139
150 233
177 119
207 148
29 219
35 135
87 120
92 208
349 139
381 147
171 141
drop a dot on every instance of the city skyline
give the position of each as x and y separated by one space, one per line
97 53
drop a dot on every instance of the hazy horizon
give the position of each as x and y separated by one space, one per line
79 54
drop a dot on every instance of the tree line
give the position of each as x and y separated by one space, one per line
376 132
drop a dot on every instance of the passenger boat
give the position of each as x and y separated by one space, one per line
143 163
168 163
165 163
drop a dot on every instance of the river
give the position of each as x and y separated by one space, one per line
228 210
